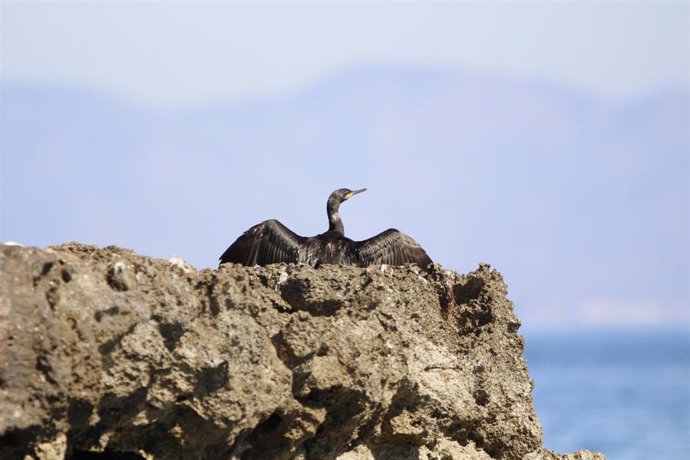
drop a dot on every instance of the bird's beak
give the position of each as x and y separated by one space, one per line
355 192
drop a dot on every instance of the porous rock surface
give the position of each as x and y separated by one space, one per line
107 354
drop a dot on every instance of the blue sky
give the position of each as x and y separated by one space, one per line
549 139
176 53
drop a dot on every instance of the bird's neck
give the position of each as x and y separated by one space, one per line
335 224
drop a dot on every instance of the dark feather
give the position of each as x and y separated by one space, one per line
269 242
272 242
391 247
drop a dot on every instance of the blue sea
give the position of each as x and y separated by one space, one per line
625 393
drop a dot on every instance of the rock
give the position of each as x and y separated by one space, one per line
106 353
545 454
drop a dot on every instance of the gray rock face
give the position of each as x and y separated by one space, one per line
104 353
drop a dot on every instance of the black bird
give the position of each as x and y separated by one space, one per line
271 242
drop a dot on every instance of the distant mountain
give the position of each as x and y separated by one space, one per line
580 201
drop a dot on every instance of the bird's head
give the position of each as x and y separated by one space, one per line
342 194
335 224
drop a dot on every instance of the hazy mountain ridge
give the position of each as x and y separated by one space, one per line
555 186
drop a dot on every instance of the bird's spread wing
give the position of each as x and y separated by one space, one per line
269 242
392 247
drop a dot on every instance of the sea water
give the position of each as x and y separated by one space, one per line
625 393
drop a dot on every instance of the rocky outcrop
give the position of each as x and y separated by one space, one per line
107 354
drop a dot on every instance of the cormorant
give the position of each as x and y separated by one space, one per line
272 242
